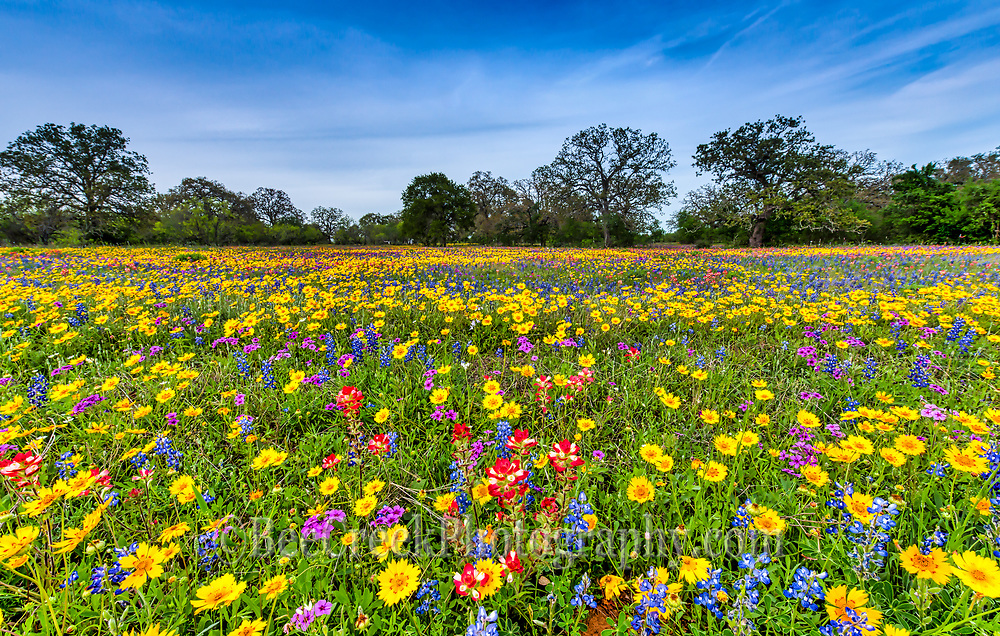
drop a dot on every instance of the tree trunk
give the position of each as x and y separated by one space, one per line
757 230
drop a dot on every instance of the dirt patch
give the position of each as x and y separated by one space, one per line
597 622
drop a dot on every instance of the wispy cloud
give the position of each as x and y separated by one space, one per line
745 31
344 109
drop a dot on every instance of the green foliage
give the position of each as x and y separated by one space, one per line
772 183
617 173
436 210
979 202
275 207
766 169
80 173
868 201
924 204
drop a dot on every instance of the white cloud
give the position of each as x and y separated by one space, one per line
353 121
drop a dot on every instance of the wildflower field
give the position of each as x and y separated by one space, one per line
499 441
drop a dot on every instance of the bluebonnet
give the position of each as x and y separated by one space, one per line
66 467
918 374
456 475
481 549
108 578
993 457
112 499
710 588
393 438
896 328
853 624
209 547
871 368
806 588
245 423
485 625
956 330
139 461
371 338
967 340
428 595
462 502
358 349
747 589
743 519
991 527
38 392
504 430
80 317
937 470
242 365
831 364
576 525
936 539
901 347
323 376
267 374
165 448
646 619
581 598
73 577
870 537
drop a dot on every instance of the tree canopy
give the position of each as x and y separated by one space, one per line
275 207
617 172
771 182
436 210
766 168
206 190
84 172
980 203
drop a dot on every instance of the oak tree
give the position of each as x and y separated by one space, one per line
87 172
767 168
618 172
436 210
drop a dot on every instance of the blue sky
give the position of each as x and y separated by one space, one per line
342 104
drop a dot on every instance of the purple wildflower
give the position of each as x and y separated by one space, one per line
388 515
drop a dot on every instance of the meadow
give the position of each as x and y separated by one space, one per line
492 441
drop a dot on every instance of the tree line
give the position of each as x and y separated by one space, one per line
772 182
